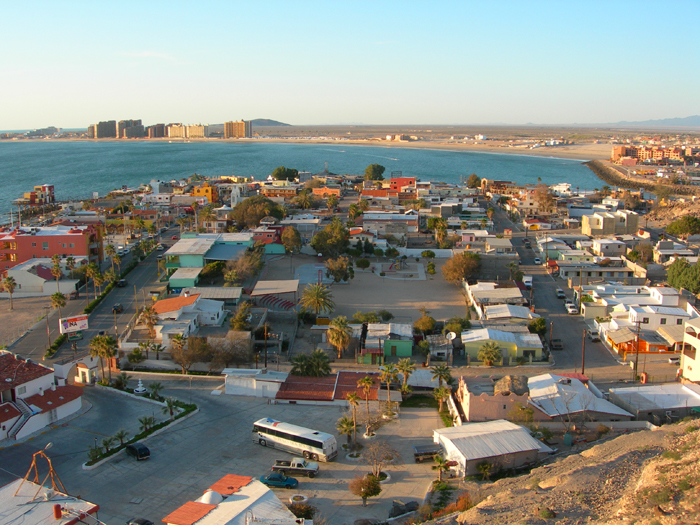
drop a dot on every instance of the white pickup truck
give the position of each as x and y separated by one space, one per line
298 466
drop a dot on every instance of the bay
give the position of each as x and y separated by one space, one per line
78 168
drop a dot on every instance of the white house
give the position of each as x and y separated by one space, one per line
690 358
253 382
185 314
34 277
29 397
654 317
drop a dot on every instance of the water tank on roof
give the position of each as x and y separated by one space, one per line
211 497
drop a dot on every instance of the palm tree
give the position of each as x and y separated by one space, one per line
300 365
90 272
490 212
9 284
441 373
489 353
181 221
363 205
118 261
354 211
58 301
149 317
110 276
354 402
157 348
441 394
338 334
206 215
146 423
104 347
170 407
388 375
156 388
345 426
140 224
406 367
121 436
108 442
110 251
366 384
317 298
512 268
332 202
304 200
70 264
441 465
440 234
98 280
145 346
56 270
319 364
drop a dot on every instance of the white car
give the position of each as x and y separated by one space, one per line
538 260
571 309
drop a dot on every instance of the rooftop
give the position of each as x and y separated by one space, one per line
54 398
660 397
186 273
15 372
174 304
191 246
488 334
214 292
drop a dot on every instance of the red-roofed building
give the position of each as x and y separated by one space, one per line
230 483
174 304
331 389
189 514
30 398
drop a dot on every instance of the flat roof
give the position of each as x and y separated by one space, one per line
660 397
275 287
214 292
186 273
191 246
225 252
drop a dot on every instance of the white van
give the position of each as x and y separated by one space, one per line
527 281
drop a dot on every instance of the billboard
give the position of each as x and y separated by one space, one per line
77 323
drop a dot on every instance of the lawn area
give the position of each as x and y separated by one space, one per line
420 401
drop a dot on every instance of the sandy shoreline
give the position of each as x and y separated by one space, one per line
582 152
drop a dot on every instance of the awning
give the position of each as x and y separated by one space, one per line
275 287
623 335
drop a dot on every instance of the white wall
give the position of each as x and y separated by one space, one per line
34 387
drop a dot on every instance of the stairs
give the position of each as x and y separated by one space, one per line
26 414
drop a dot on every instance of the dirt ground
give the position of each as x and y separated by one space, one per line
27 312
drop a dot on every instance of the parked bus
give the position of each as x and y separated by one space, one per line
312 444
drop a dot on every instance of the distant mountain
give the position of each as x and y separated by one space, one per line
684 122
267 122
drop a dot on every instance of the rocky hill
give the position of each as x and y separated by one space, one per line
643 478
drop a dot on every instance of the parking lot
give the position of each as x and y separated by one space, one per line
187 458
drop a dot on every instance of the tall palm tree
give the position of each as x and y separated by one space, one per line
406 367
118 261
9 284
157 348
363 205
145 346
339 333
207 215
366 384
121 435
58 301
70 264
442 374
441 394
181 221
304 200
104 347
354 402
98 280
354 211
56 270
388 375
346 426
90 272
110 251
156 388
317 298
170 407
150 318
441 465
140 224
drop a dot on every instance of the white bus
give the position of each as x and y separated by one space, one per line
314 445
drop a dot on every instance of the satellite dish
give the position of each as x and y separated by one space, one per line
451 335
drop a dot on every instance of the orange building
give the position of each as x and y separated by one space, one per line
326 191
207 190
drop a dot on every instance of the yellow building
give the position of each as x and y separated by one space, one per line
195 132
208 191
237 129
175 131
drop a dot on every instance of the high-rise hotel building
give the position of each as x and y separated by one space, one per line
237 129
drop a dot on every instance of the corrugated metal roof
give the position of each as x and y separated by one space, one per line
623 335
498 311
490 439
489 334
214 292
375 330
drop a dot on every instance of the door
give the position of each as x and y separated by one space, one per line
393 350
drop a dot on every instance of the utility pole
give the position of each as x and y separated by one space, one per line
116 330
266 345
551 334
136 299
583 353
48 333
636 355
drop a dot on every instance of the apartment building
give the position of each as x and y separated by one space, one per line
207 190
43 194
175 131
237 129
622 222
197 131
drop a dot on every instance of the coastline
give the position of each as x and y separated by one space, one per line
582 152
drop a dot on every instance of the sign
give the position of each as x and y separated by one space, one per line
75 336
73 324
508 233
95 195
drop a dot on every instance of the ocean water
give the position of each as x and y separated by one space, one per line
77 169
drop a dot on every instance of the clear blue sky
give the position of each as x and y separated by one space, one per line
70 64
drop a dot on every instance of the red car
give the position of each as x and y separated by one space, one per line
174 237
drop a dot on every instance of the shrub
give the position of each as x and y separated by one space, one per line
602 430
303 510
136 356
690 429
547 514
671 454
56 345
464 502
382 274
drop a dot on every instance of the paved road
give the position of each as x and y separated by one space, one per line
144 276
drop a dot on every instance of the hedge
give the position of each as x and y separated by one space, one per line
93 304
56 345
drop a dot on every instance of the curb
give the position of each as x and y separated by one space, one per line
128 394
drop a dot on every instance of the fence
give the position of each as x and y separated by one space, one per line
454 411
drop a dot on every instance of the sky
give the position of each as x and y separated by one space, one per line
71 63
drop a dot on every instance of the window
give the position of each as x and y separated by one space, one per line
663 321
71 245
33 245
679 321
645 320
45 246
21 390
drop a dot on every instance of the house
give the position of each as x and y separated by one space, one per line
230 296
332 389
23 501
654 317
483 294
482 403
665 403
29 397
501 444
690 358
512 345
608 247
575 255
537 224
385 339
253 382
185 314
563 398
499 245
665 250
609 223
34 277
507 312
235 500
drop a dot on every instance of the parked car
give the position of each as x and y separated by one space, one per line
296 466
117 308
556 344
174 237
593 335
571 309
560 293
426 452
159 257
121 283
567 302
73 295
674 360
538 260
138 451
280 481
160 248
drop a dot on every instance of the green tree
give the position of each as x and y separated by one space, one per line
425 322
305 200
406 367
366 384
485 469
441 394
339 333
91 271
170 406
522 415
156 388
362 264
374 172
490 353
248 213
684 226
354 402
332 202
149 317
315 364
354 211
103 347
442 374
365 487
338 268
56 270
346 426
681 274
457 325
58 301
291 239
121 435
538 326
474 181
388 374
283 173
332 240
428 254
317 298
239 320
461 267
441 465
